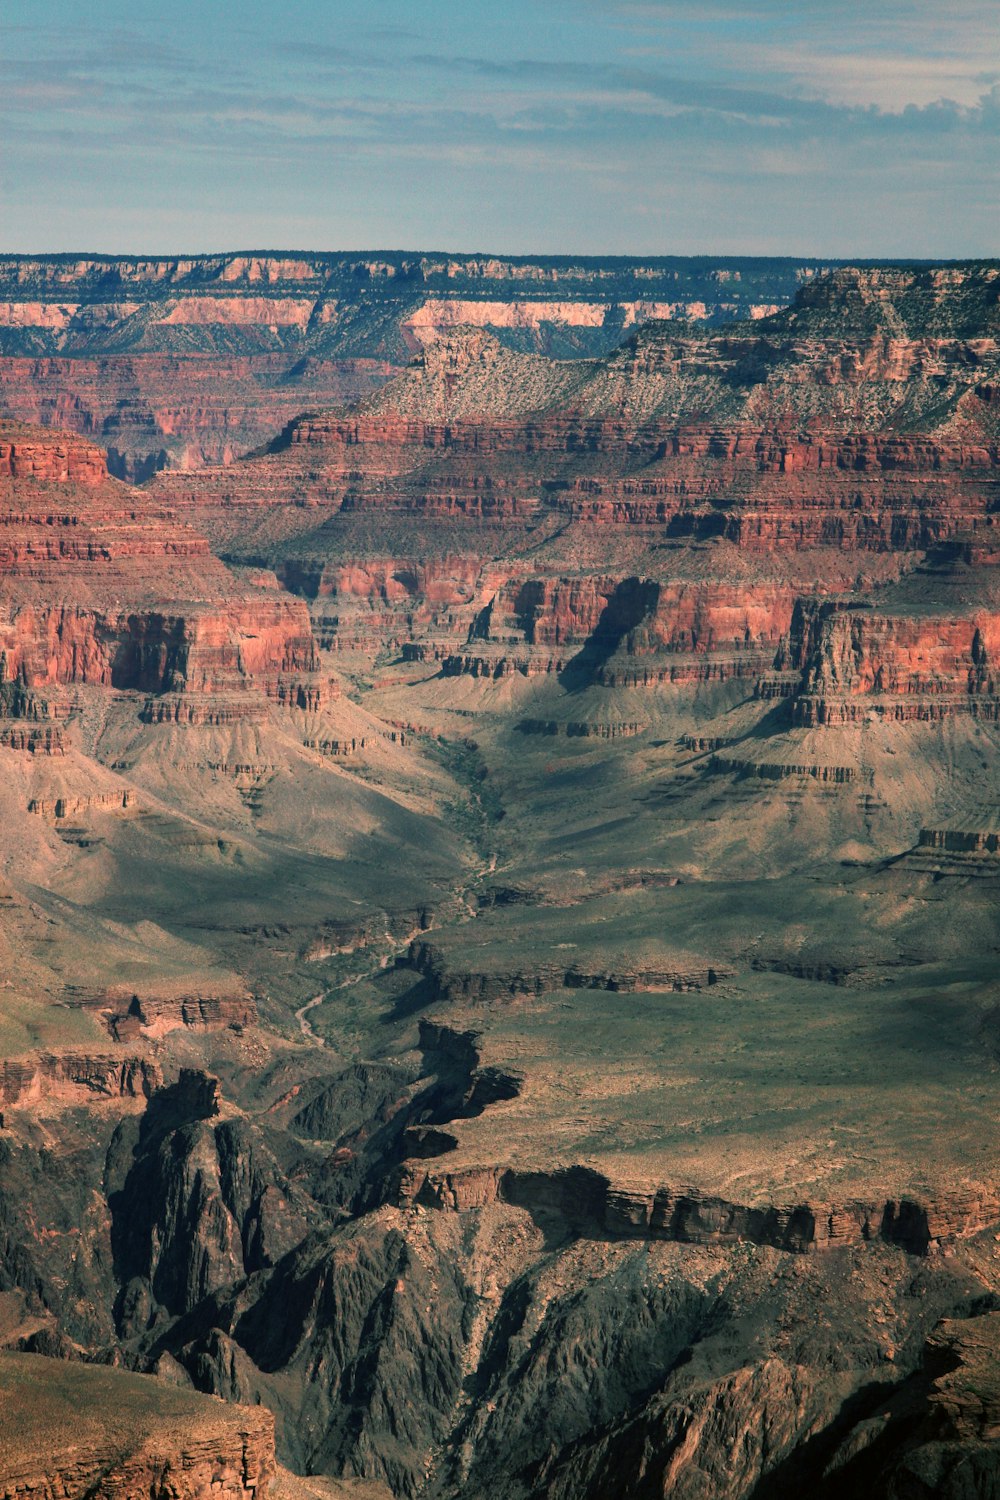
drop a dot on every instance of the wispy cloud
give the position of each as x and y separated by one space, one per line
542 121
887 54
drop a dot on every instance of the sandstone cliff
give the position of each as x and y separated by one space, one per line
87 572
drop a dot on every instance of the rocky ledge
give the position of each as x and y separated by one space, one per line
588 1203
72 1430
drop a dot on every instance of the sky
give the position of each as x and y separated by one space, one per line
845 128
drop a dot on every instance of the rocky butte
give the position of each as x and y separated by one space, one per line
498 904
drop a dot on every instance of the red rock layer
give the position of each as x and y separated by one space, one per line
156 1016
74 1077
186 361
151 410
760 488
58 459
626 631
101 588
862 421
900 667
770 489
644 614
586 1198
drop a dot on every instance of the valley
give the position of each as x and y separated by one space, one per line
498 909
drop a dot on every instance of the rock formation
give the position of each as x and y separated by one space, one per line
180 362
72 1430
86 572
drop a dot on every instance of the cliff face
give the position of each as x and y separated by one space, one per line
589 1203
156 410
327 302
898 666
72 1430
844 430
72 1077
182 362
86 569
55 459
789 459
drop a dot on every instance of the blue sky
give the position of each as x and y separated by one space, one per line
628 126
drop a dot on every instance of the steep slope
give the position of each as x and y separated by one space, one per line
74 536
580 505
174 782
343 303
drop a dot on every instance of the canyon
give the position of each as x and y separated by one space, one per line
498 904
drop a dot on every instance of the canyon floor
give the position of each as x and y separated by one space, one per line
499 924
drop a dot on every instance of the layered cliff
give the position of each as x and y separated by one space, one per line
73 1430
345 303
181 361
788 436
100 589
842 430
171 408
